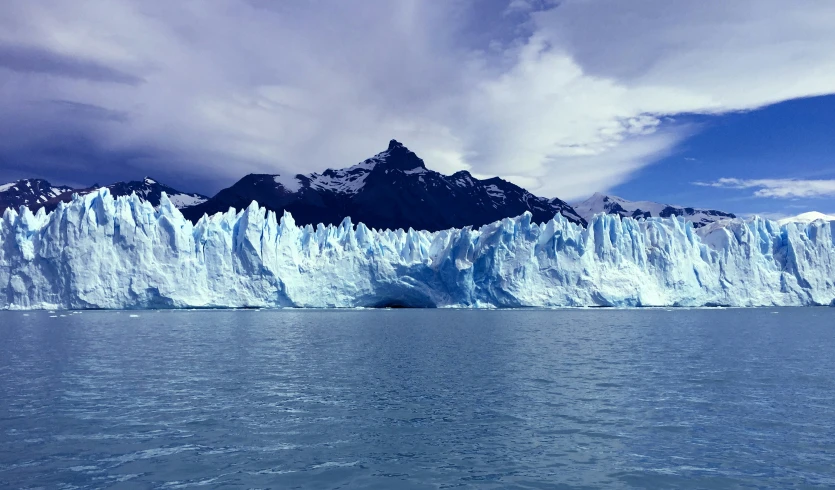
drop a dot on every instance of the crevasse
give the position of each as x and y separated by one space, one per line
101 252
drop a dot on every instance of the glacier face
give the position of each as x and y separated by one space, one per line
101 252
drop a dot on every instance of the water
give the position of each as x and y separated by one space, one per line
418 399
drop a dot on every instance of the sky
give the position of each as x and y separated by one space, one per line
706 103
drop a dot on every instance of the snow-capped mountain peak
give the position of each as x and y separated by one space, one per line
392 189
351 180
602 203
399 157
809 217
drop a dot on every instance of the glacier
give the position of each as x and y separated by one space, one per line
122 253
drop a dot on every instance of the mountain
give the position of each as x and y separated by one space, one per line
38 193
122 255
147 189
150 190
33 193
600 203
808 218
393 189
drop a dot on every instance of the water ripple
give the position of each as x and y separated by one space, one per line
418 399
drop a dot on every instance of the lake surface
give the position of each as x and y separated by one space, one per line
418 399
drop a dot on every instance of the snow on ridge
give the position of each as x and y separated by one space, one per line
123 253
5 187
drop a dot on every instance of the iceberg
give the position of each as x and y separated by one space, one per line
101 252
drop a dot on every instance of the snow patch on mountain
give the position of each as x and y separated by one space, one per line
289 182
181 201
101 252
494 191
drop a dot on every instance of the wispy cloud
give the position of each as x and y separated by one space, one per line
29 59
778 188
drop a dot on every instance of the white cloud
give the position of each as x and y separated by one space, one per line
778 188
576 102
598 74
517 5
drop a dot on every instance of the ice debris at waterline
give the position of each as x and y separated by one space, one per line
100 252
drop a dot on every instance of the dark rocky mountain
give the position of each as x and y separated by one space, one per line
394 189
600 203
29 192
38 193
148 189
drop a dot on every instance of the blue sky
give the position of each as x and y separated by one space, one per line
785 142
705 103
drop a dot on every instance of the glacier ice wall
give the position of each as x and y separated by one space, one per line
101 252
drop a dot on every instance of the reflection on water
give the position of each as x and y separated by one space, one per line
419 398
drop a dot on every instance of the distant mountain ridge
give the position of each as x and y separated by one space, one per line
34 193
393 189
149 190
39 193
601 203
809 217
